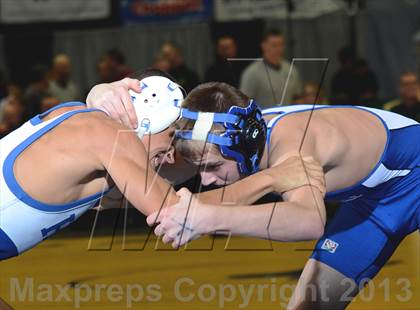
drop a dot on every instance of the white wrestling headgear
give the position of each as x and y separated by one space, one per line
158 105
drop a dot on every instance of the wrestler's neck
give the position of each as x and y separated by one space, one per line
264 159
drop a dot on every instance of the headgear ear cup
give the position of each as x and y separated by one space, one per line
255 135
243 140
143 128
250 136
157 106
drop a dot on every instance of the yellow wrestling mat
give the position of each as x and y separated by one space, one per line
62 273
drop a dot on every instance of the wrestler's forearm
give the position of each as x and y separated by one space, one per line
99 91
244 192
147 196
281 221
301 217
125 160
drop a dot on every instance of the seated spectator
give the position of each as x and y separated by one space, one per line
366 85
408 104
12 116
161 63
224 70
12 92
343 82
265 81
184 76
61 86
37 93
310 93
112 67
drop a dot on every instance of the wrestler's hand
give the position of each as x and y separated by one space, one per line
184 221
114 99
297 171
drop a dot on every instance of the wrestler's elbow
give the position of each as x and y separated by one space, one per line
314 227
317 232
307 232
307 228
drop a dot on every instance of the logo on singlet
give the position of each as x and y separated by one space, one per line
329 245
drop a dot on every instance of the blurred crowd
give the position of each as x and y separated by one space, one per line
46 88
269 80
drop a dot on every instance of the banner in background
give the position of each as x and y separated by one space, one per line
135 11
234 10
29 11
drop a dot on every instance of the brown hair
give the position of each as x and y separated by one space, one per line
271 33
214 97
142 74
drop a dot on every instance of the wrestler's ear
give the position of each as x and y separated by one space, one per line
170 155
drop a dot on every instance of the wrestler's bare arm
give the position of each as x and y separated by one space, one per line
113 98
245 191
291 173
300 217
121 153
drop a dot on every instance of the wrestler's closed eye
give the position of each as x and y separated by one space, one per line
210 167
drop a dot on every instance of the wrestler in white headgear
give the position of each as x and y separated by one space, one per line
158 105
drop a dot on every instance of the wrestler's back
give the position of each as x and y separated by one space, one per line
44 174
58 167
348 142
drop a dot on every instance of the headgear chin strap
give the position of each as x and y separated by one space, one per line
243 139
157 105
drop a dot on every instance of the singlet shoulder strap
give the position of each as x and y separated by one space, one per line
15 187
37 119
282 111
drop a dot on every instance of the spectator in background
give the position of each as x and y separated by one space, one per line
354 82
365 84
161 63
184 76
37 97
12 92
309 95
343 82
265 80
61 86
409 102
112 67
12 115
224 70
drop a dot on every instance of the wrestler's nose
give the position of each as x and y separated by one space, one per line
207 178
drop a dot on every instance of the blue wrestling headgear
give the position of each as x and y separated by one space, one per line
243 139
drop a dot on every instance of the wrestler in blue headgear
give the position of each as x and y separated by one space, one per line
244 134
